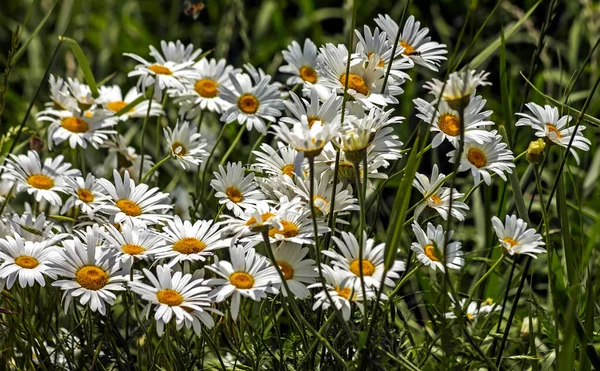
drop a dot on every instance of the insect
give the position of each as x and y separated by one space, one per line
193 8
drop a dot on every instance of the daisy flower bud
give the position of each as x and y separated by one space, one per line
535 151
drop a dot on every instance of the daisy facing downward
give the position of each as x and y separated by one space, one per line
516 238
430 248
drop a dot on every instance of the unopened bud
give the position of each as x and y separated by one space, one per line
525 326
36 144
535 151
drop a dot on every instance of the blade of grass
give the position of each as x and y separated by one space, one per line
83 64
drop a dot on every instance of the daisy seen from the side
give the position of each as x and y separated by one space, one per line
430 249
516 238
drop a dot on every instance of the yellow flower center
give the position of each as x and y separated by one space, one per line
470 316
408 49
321 205
169 297
234 194
91 277
27 262
206 88
131 249
510 241
74 124
242 280
288 170
367 267
553 129
130 208
264 217
308 74
312 120
85 195
178 149
355 83
435 199
286 269
430 253
248 103
449 124
344 292
160 70
189 245
380 63
477 157
117 106
288 230
40 181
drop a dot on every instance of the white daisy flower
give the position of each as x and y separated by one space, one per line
295 224
430 248
372 260
81 92
251 222
458 88
327 112
176 295
91 272
364 81
41 181
306 138
249 274
86 194
302 63
343 289
60 96
296 270
185 144
445 121
124 158
203 93
276 162
235 189
439 199
130 242
26 260
414 41
474 310
547 123
184 241
251 104
175 52
344 200
484 158
112 99
516 238
139 204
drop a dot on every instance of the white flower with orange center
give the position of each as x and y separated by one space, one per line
414 41
251 222
301 63
547 123
306 138
131 243
60 95
297 271
474 309
458 89
235 189
113 101
445 121
326 112
516 238
86 194
248 274
344 200
438 197
184 241
45 181
27 261
372 260
91 273
276 162
365 81
295 224
343 288
185 144
176 296
139 204
253 100
430 249
486 159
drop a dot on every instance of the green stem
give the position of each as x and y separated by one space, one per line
402 282
144 134
361 228
482 279
154 168
200 191
233 144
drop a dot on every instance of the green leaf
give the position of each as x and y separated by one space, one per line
83 64
37 30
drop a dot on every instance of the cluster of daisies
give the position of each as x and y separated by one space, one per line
107 230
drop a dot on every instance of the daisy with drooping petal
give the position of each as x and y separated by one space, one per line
251 103
430 249
139 204
516 238
297 271
547 123
343 289
302 63
254 219
276 162
87 194
131 242
186 241
483 159
414 41
459 87
82 93
91 272
176 296
445 121
326 112
306 138
203 93
438 197
235 189
295 224
185 144
26 260
175 52
372 260
112 99
249 274
60 96
41 181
